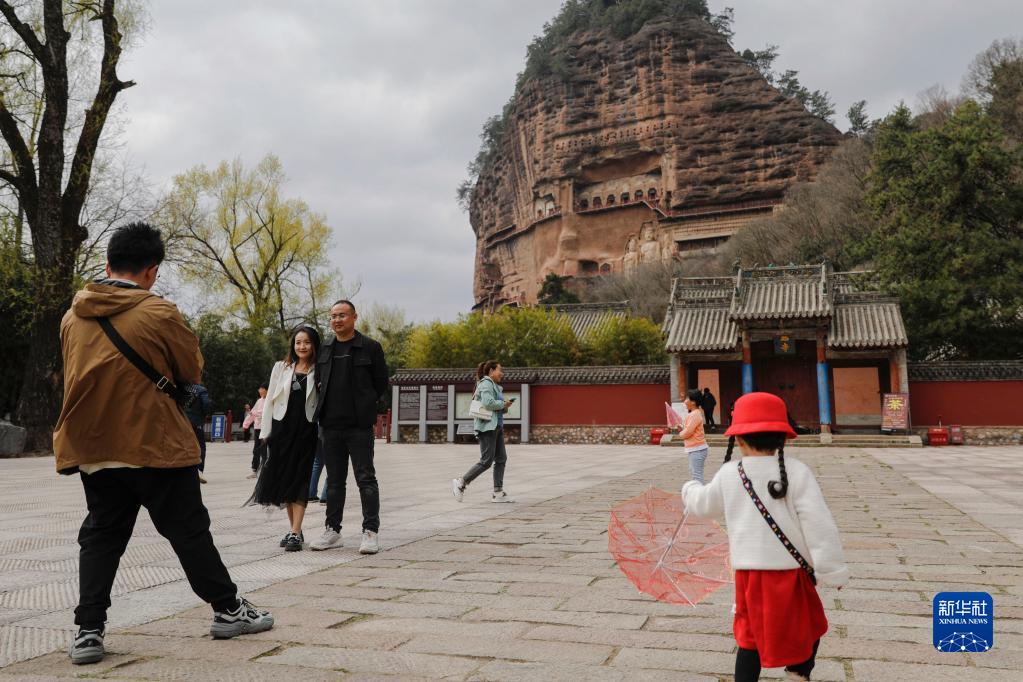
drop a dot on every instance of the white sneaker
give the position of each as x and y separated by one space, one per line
456 489
252 475
501 498
330 539
369 543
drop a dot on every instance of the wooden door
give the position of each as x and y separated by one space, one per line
794 380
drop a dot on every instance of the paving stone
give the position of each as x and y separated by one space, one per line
878 671
497 601
585 619
446 628
368 660
413 583
633 638
514 649
506 671
242 671
708 663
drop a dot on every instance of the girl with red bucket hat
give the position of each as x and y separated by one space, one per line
782 539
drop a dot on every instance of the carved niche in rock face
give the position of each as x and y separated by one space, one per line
631 258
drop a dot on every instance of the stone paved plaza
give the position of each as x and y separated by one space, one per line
515 592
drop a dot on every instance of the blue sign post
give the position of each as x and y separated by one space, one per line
218 426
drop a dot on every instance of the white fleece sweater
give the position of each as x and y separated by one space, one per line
802 514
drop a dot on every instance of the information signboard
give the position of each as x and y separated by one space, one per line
217 427
408 403
437 403
895 412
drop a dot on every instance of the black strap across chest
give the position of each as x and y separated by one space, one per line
778 532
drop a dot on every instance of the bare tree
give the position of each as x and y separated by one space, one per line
50 190
818 220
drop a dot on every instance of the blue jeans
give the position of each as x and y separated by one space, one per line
314 482
696 460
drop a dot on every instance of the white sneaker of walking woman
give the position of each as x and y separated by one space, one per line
501 497
369 545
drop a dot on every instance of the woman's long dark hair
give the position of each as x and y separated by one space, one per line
763 442
314 338
485 368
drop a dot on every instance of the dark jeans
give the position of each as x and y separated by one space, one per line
174 502
492 453
709 416
318 466
747 664
201 437
336 447
258 452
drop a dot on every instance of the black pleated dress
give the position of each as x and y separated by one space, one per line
291 448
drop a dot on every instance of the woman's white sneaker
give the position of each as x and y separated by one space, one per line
369 543
331 539
501 498
456 489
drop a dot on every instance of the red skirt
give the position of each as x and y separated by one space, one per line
779 614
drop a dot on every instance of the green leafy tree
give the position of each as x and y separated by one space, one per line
553 290
625 341
516 337
949 242
16 303
237 359
859 121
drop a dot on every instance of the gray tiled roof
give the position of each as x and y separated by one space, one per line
1006 370
616 374
781 293
587 317
700 328
707 314
867 325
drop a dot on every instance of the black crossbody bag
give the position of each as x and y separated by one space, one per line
778 532
183 395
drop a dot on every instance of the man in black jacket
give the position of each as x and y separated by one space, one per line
351 376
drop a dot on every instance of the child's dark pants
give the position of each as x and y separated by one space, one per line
747 664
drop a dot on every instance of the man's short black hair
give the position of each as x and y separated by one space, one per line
135 247
344 301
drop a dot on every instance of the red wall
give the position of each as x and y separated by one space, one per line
968 403
618 404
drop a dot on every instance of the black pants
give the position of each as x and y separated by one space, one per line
747 664
492 452
201 437
338 445
258 452
709 417
174 502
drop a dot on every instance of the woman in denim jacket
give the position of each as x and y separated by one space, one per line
489 432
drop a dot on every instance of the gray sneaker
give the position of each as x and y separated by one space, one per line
87 647
245 619
331 539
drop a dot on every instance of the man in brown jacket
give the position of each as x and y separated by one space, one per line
131 443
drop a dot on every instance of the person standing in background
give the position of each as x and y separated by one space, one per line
709 403
197 412
246 430
255 419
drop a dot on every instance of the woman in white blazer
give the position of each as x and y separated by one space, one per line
290 434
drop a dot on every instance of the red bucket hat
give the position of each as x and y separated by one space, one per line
760 413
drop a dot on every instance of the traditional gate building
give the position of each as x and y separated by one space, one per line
829 343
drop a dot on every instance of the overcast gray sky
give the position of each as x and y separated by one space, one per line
374 108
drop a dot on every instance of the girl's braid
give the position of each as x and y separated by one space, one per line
731 446
777 489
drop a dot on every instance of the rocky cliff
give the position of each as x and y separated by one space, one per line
634 150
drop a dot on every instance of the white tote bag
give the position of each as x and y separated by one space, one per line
476 409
